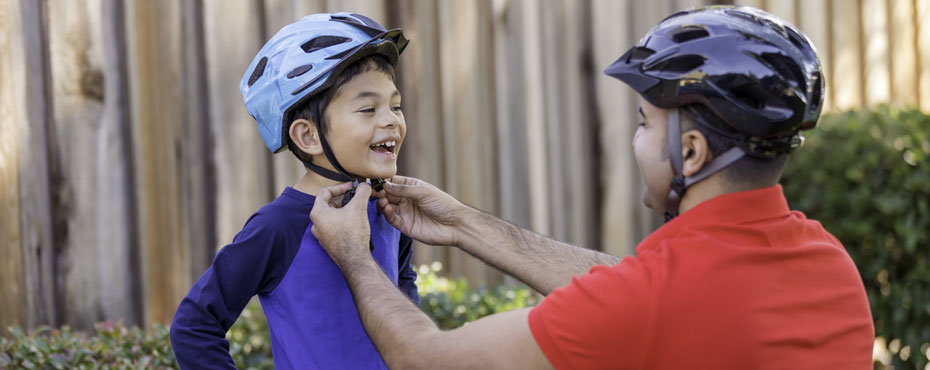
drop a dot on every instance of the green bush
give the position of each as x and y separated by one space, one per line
114 346
866 176
451 304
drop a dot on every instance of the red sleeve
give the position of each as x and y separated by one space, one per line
600 320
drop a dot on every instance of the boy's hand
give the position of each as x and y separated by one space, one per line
421 210
343 232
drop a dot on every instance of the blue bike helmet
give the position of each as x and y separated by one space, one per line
758 77
300 61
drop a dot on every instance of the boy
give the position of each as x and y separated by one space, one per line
324 88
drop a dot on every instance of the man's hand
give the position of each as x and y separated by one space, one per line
422 211
343 232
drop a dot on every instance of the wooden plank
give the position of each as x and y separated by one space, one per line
279 13
787 10
902 57
13 110
155 55
35 202
814 21
578 122
511 113
116 221
876 59
374 9
286 168
687 4
613 34
847 55
468 123
92 202
197 167
422 154
535 85
243 165
923 52
759 4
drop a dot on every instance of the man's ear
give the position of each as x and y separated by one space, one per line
305 135
694 152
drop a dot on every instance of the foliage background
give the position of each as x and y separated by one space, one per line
866 176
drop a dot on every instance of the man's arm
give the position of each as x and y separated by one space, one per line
404 335
427 214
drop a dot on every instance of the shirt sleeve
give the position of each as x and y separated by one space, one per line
407 274
600 320
254 263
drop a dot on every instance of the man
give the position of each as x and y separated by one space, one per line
733 280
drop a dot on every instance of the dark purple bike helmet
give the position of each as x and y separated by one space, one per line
757 75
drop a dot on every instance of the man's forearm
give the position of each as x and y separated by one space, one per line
398 328
540 262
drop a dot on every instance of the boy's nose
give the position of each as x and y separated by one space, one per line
390 120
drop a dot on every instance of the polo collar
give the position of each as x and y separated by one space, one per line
730 209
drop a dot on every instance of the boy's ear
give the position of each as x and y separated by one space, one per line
305 135
694 152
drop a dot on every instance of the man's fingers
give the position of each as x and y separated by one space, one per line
327 194
403 180
402 190
362 193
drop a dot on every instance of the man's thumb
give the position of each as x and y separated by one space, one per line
362 193
401 190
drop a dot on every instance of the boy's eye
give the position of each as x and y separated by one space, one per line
397 108
367 110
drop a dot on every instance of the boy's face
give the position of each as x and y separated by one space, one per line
366 126
650 147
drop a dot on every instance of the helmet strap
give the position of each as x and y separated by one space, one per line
342 175
681 183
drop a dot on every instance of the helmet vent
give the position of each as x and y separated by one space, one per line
797 39
323 42
639 53
299 70
259 71
679 65
688 33
786 68
816 96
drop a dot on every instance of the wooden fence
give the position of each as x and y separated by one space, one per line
127 157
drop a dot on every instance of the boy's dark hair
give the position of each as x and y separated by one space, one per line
314 106
749 171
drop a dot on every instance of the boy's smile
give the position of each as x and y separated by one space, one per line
366 126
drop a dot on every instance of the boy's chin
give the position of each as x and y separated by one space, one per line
385 173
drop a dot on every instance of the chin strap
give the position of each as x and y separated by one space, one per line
342 175
680 183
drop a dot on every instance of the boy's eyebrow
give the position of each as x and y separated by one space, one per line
372 94
641 113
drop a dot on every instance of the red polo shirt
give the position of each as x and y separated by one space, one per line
737 282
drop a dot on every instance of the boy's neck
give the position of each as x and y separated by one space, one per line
311 183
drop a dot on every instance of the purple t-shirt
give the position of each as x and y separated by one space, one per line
310 311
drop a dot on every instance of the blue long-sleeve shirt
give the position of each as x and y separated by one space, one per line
311 314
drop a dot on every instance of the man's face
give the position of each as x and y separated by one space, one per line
650 147
365 119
